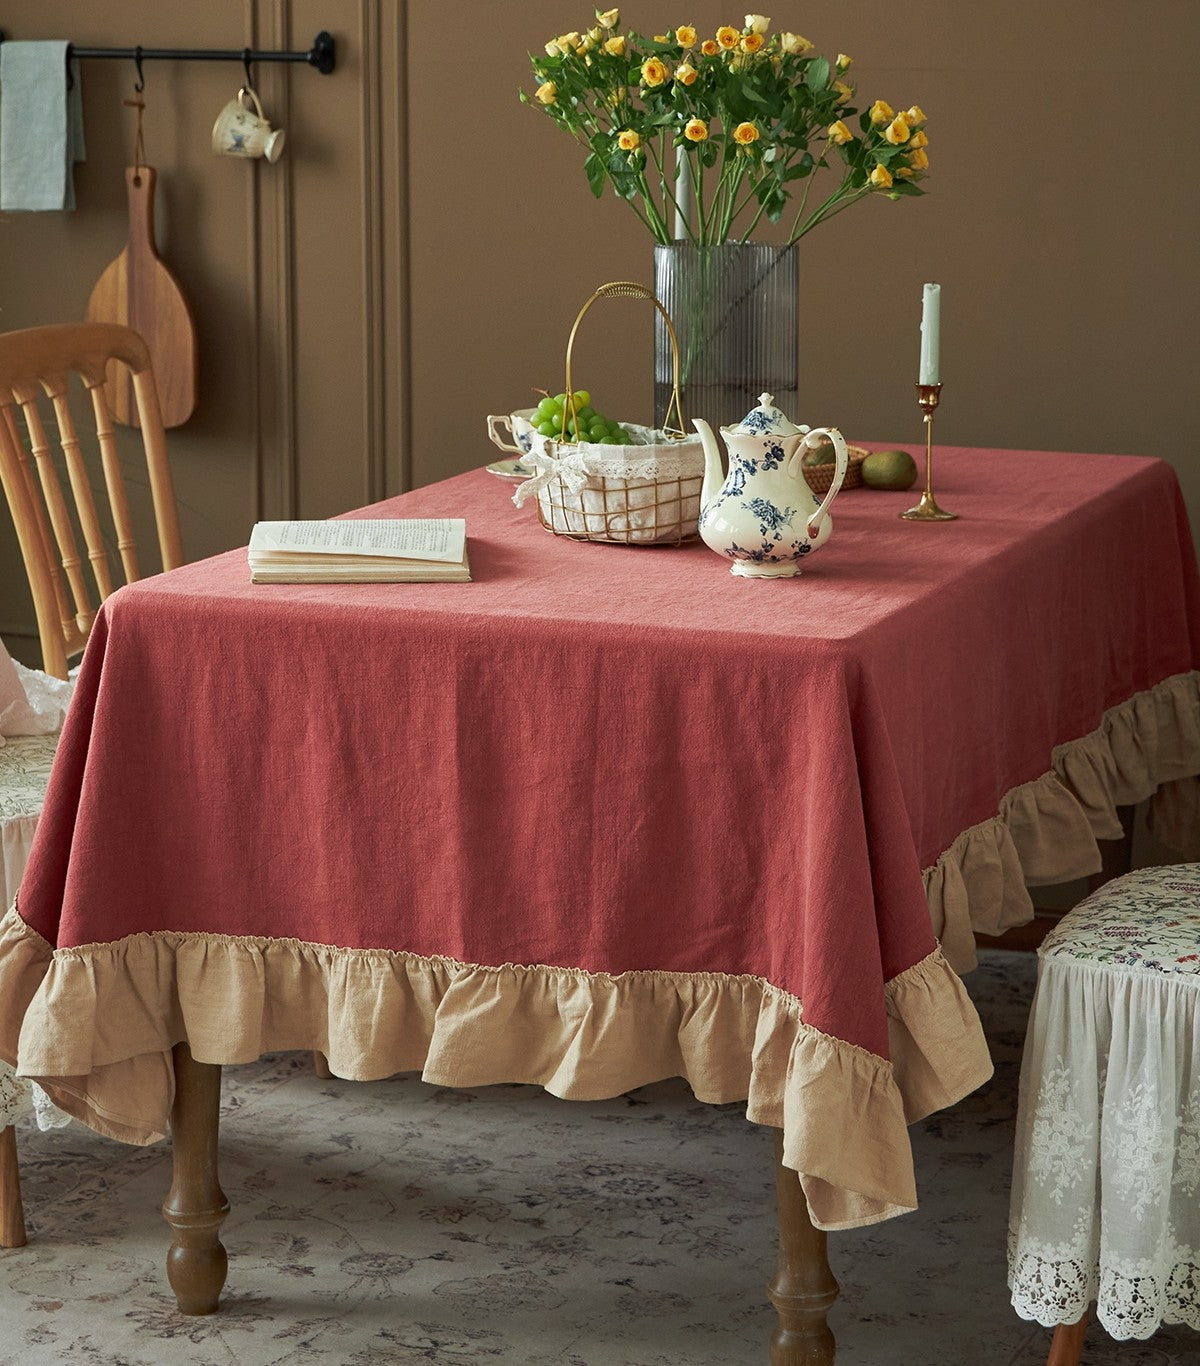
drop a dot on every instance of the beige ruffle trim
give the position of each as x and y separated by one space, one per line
583 1036
1046 830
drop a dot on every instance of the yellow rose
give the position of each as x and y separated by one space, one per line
751 41
609 19
653 72
881 178
897 131
903 172
695 130
881 112
572 39
685 74
552 48
685 35
838 132
793 43
615 47
844 91
916 114
918 140
629 139
757 23
745 133
919 160
843 62
727 37
547 92
709 48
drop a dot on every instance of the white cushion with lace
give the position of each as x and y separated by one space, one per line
1106 1171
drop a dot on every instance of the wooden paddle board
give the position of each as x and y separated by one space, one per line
139 291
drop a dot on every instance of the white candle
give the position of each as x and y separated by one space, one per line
931 324
683 189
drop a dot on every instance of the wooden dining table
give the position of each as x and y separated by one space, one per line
604 815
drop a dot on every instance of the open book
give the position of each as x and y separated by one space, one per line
392 550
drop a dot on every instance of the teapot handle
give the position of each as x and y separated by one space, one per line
842 458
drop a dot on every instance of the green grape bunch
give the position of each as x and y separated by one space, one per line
557 417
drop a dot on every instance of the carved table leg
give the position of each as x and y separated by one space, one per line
1066 1347
12 1212
195 1205
804 1289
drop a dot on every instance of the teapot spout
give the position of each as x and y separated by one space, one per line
714 474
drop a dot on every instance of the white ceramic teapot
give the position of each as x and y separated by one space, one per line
763 515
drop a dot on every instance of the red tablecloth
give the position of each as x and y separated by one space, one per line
607 813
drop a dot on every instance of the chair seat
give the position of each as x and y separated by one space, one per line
1106 1170
1146 921
25 762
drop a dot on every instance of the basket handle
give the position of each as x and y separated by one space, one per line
628 289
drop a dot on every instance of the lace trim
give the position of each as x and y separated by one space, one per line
1053 1285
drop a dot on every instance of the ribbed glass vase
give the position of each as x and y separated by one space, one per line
735 310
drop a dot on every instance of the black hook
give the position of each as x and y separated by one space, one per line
246 68
137 61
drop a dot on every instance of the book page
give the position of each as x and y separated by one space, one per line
409 538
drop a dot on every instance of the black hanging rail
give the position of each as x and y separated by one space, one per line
321 55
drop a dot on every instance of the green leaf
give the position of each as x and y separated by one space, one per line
817 76
594 169
905 187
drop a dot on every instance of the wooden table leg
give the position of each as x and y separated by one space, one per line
804 1289
12 1212
1066 1347
195 1205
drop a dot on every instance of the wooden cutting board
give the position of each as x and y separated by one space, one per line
139 291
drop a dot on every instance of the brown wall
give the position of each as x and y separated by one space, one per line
415 262
293 272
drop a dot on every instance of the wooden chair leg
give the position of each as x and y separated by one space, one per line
195 1205
12 1212
321 1066
1066 1347
804 1289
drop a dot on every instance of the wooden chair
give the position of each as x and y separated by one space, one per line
35 364
1106 1164
40 440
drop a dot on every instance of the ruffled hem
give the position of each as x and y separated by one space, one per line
1046 830
96 1026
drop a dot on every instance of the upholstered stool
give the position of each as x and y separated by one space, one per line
1106 1170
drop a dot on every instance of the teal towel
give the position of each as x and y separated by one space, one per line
41 126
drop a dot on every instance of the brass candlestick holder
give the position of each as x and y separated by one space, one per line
927 510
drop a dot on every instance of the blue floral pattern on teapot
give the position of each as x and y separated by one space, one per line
762 515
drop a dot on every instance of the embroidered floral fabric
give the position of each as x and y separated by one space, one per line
1107 1164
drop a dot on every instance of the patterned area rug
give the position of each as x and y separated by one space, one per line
399 1222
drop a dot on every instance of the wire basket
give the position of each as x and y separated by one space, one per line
820 477
644 494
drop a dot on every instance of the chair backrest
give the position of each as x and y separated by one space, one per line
35 365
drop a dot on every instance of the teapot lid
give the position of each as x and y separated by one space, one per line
767 420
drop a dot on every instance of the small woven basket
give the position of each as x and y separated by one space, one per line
591 498
820 477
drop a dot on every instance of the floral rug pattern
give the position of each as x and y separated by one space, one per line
400 1222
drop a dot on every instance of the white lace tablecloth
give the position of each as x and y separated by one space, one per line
1106 1172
